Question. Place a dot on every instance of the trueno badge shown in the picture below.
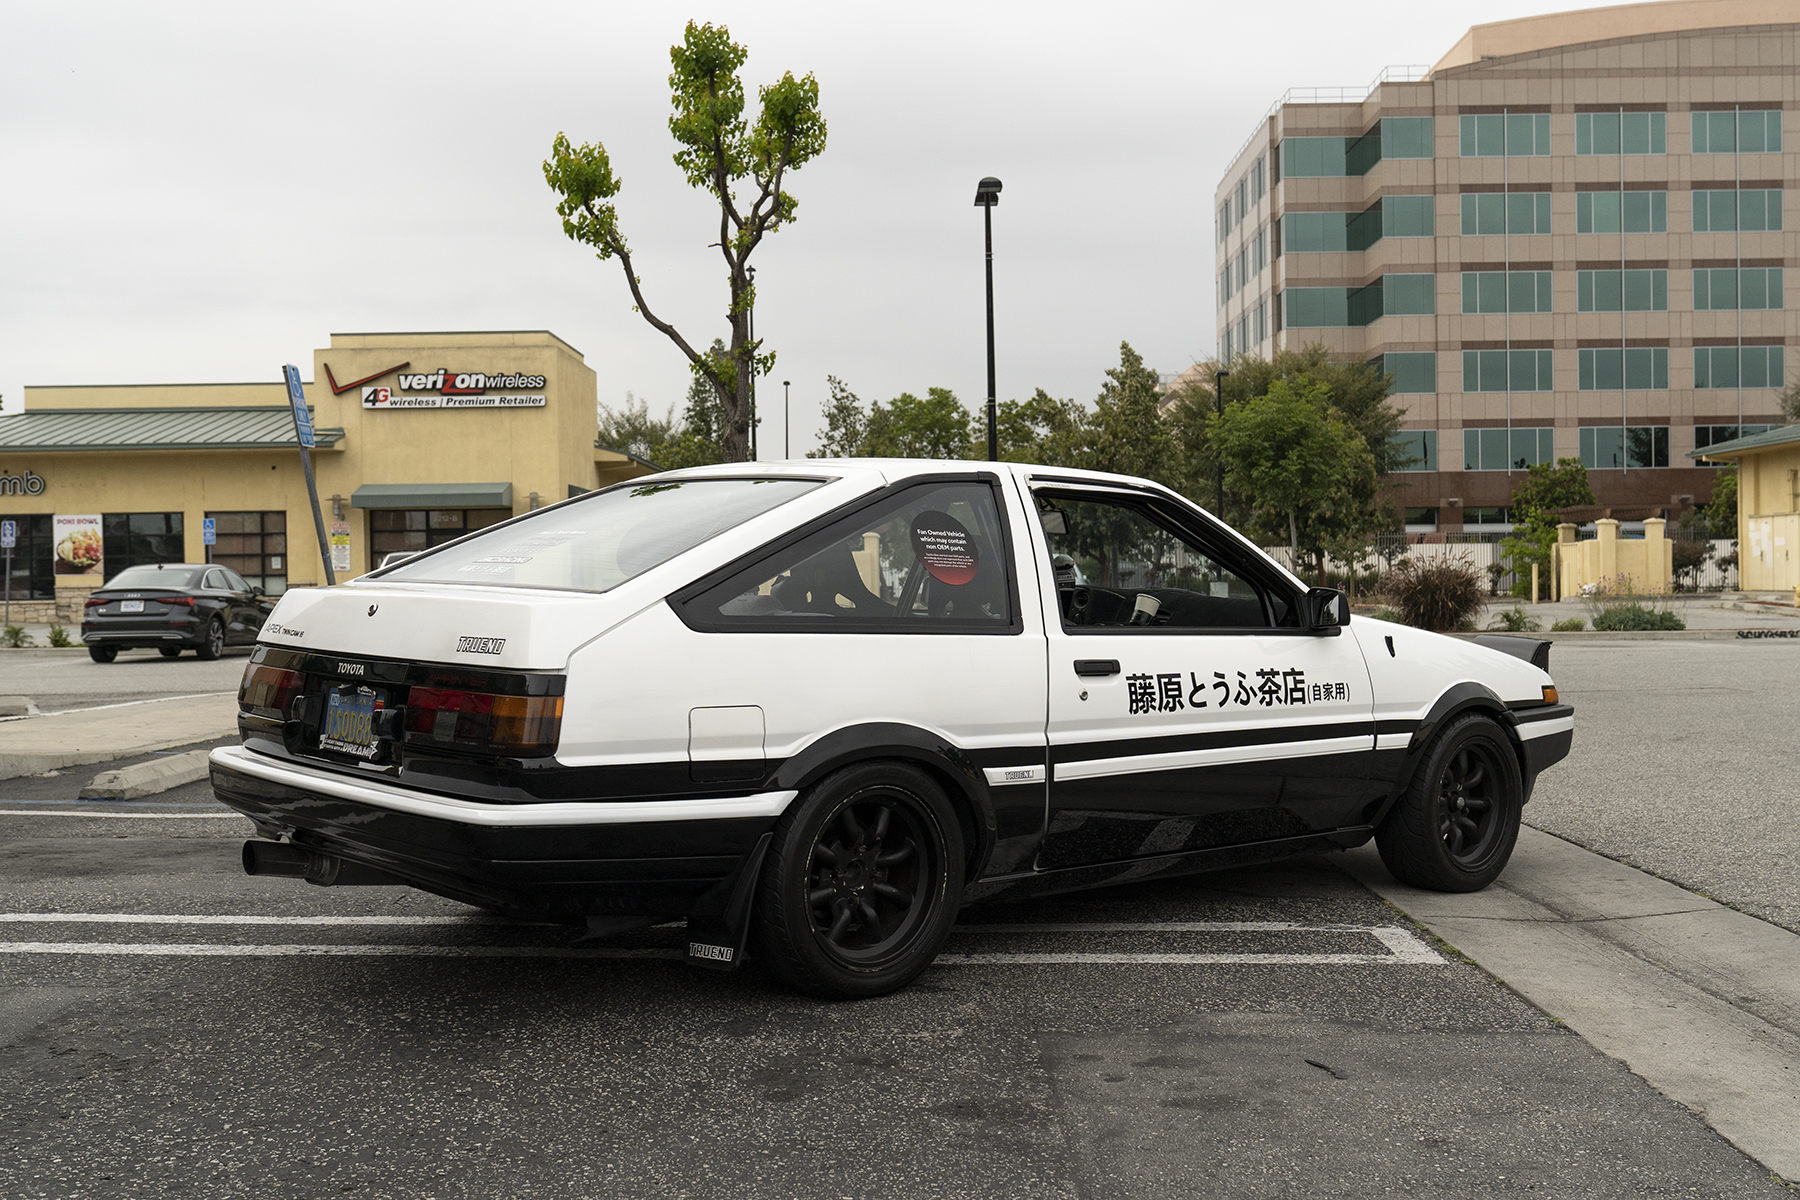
(479, 645)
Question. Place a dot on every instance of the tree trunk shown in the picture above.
(1294, 541)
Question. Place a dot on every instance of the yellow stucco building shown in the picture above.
(1768, 507)
(421, 438)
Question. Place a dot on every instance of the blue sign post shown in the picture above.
(9, 537)
(303, 434)
(209, 532)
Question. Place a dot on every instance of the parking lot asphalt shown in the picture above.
(60, 680)
(381, 1042)
(1683, 765)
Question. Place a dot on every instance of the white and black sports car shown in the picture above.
(815, 707)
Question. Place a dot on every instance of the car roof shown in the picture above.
(894, 470)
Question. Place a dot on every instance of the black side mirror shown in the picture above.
(256, 591)
(1324, 608)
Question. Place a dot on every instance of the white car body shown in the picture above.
(683, 737)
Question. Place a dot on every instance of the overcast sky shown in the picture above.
(200, 192)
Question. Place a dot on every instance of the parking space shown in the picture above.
(60, 680)
(169, 1026)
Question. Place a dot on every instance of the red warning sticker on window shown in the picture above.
(944, 547)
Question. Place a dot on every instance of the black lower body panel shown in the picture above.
(558, 872)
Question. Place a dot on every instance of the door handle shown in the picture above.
(1096, 666)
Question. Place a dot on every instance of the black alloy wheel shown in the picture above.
(1455, 828)
(103, 654)
(214, 645)
(862, 883)
(169, 651)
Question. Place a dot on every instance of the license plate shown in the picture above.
(349, 725)
(126, 606)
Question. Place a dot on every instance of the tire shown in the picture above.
(169, 651)
(214, 645)
(861, 884)
(1455, 827)
(103, 654)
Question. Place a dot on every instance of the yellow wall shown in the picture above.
(1645, 566)
(542, 450)
(1769, 519)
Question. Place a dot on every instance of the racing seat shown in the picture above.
(814, 585)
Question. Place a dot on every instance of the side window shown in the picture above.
(234, 581)
(930, 559)
(1118, 565)
(215, 579)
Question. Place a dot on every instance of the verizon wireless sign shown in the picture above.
(444, 388)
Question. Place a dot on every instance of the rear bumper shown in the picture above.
(1546, 735)
(138, 634)
(554, 860)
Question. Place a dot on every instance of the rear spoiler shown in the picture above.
(1535, 651)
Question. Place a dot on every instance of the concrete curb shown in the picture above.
(148, 778)
(33, 745)
(1700, 1000)
(1642, 635)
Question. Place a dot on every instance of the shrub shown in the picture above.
(59, 636)
(15, 635)
(1440, 595)
(1634, 617)
(1516, 620)
(1572, 625)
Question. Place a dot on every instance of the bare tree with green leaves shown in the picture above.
(719, 150)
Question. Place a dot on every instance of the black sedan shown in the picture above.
(172, 607)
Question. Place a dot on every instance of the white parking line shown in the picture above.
(128, 816)
(1185, 960)
(182, 919)
(227, 950)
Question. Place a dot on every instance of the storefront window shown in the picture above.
(254, 544)
(134, 538)
(414, 529)
(32, 571)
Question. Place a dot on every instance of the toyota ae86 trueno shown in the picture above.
(816, 707)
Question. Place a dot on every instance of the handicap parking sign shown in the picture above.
(9, 534)
(209, 532)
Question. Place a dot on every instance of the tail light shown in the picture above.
(271, 689)
(95, 602)
(184, 601)
(525, 726)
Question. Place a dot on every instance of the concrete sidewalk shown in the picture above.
(1699, 999)
(31, 745)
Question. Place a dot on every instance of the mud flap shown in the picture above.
(720, 923)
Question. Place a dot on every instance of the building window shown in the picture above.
(1713, 435)
(1755, 132)
(1406, 137)
(132, 538)
(1224, 220)
(1610, 447)
(1729, 289)
(1312, 157)
(1243, 333)
(1622, 291)
(1243, 267)
(1507, 449)
(1613, 369)
(1752, 209)
(1620, 133)
(254, 544)
(1738, 366)
(1316, 308)
(1487, 514)
(1259, 251)
(1408, 295)
(33, 565)
(1493, 135)
(1262, 322)
(1506, 291)
(1331, 232)
(1421, 520)
(1415, 450)
(1408, 216)
(1414, 372)
(1494, 213)
(1259, 185)
(1224, 285)
(1225, 345)
(1621, 212)
(412, 530)
(1243, 200)
(1507, 370)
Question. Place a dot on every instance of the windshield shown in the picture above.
(156, 577)
(598, 542)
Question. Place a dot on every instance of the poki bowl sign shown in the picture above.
(79, 547)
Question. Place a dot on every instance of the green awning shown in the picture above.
(432, 495)
(66, 429)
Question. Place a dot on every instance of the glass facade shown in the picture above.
(129, 539)
(1414, 371)
(1621, 133)
(1621, 212)
(1507, 370)
(33, 574)
(1753, 210)
(1748, 132)
(1730, 289)
(1408, 295)
(1614, 369)
(254, 544)
(1406, 137)
(1622, 291)
(1611, 447)
(1713, 435)
(1493, 213)
(1506, 291)
(1738, 366)
(412, 530)
(1415, 450)
(1408, 216)
(1493, 135)
(1507, 449)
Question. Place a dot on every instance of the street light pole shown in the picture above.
(787, 444)
(987, 194)
(1219, 400)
